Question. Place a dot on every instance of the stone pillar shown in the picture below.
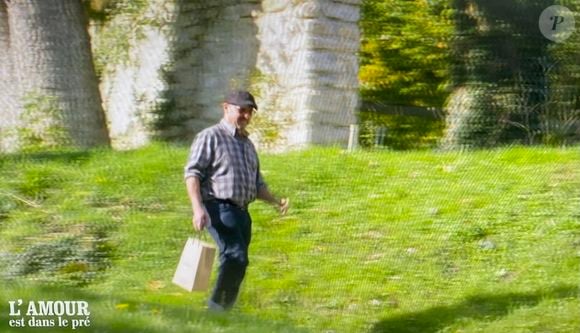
(309, 68)
(298, 57)
(9, 109)
(132, 81)
(184, 58)
(216, 53)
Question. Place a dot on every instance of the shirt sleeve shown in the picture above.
(199, 157)
(260, 180)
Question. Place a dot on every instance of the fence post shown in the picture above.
(353, 138)
(380, 136)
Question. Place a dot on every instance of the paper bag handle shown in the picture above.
(200, 234)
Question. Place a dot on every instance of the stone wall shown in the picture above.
(132, 81)
(8, 99)
(215, 51)
(298, 57)
(310, 49)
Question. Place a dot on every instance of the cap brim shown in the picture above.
(250, 104)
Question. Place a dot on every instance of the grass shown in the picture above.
(381, 241)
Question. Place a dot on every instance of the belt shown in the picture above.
(228, 202)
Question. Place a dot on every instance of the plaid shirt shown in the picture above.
(226, 164)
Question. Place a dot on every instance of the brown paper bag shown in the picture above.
(195, 266)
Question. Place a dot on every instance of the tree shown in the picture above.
(53, 80)
(499, 73)
(405, 52)
(404, 61)
(560, 122)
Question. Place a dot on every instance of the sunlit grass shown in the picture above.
(485, 241)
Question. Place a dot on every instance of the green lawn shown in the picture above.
(381, 241)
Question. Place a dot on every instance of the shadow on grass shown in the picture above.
(116, 313)
(488, 307)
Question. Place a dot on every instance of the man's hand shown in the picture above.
(283, 205)
(200, 218)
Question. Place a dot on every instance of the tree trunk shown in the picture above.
(57, 85)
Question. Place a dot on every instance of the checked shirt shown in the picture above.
(226, 164)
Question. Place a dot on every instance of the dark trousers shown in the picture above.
(231, 228)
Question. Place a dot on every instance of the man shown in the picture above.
(223, 177)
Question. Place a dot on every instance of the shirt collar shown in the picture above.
(232, 130)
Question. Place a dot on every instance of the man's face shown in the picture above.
(237, 115)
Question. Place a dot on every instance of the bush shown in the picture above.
(401, 132)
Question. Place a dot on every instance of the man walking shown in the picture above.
(223, 177)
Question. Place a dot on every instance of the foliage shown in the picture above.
(401, 132)
(42, 124)
(272, 117)
(376, 241)
(118, 23)
(474, 118)
(560, 119)
(560, 124)
(405, 52)
(405, 55)
(517, 87)
(163, 111)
